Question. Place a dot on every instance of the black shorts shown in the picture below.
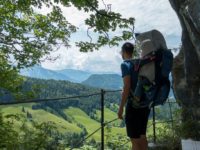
(136, 121)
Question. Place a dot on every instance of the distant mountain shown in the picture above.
(39, 72)
(76, 75)
(106, 81)
(42, 73)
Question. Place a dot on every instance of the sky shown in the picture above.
(149, 14)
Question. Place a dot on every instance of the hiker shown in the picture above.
(146, 83)
(135, 118)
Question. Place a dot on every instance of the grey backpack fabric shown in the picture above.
(159, 92)
(155, 65)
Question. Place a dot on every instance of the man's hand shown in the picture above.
(120, 112)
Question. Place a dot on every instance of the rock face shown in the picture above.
(186, 70)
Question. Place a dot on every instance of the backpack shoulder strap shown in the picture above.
(148, 59)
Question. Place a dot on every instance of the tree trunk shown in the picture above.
(186, 69)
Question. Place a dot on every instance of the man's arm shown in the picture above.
(125, 94)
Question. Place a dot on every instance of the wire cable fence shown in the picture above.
(88, 136)
(47, 99)
(102, 122)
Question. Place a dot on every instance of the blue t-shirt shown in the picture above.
(127, 68)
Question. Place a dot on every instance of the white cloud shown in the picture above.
(104, 60)
(75, 16)
(149, 14)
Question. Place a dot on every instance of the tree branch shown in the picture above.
(104, 14)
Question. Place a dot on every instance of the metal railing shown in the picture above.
(102, 122)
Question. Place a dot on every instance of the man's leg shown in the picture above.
(144, 121)
(139, 143)
(143, 142)
(135, 143)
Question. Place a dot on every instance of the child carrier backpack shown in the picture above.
(157, 92)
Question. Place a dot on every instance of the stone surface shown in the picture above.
(190, 145)
(186, 69)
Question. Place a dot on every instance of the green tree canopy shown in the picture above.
(27, 36)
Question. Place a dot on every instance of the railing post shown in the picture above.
(171, 115)
(102, 119)
(154, 126)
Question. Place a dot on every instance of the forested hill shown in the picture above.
(55, 89)
(107, 81)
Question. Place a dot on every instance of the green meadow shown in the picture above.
(77, 116)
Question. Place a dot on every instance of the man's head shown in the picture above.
(127, 50)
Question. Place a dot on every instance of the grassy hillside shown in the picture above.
(91, 125)
(41, 116)
(78, 117)
(109, 115)
(82, 118)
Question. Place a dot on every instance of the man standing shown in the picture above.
(135, 118)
